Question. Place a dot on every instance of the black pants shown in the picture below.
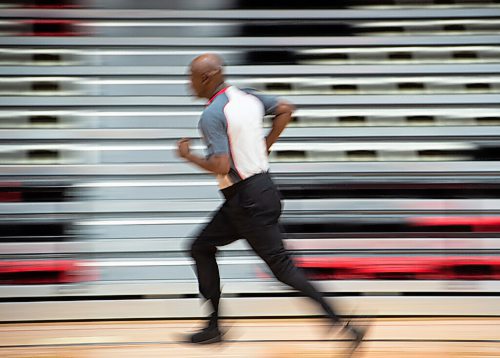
(251, 211)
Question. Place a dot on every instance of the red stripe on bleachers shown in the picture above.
(25, 272)
(11, 196)
(455, 221)
(407, 268)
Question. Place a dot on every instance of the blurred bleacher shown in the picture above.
(390, 170)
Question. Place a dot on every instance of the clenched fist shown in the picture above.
(183, 148)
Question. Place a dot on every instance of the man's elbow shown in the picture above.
(285, 107)
(224, 169)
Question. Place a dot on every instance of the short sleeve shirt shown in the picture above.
(232, 124)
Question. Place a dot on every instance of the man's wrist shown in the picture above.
(185, 156)
(189, 157)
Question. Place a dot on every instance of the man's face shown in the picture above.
(196, 84)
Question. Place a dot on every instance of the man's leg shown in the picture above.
(203, 250)
(268, 244)
(255, 216)
(256, 219)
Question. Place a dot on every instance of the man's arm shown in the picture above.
(217, 163)
(283, 115)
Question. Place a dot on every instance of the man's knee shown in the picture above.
(281, 265)
(201, 247)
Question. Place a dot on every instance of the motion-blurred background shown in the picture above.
(390, 170)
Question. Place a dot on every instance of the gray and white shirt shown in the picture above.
(232, 124)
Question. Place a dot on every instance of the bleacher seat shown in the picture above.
(389, 170)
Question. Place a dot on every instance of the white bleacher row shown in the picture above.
(162, 245)
(332, 117)
(460, 100)
(196, 211)
(104, 153)
(131, 56)
(304, 117)
(349, 170)
(276, 42)
(260, 71)
(176, 86)
(398, 55)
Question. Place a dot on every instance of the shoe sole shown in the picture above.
(209, 341)
(185, 339)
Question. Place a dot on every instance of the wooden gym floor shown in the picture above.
(269, 338)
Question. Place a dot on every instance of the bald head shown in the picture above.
(206, 63)
(206, 74)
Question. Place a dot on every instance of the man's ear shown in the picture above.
(205, 78)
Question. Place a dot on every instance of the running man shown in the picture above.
(237, 153)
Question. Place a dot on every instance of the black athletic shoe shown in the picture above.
(357, 334)
(207, 335)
